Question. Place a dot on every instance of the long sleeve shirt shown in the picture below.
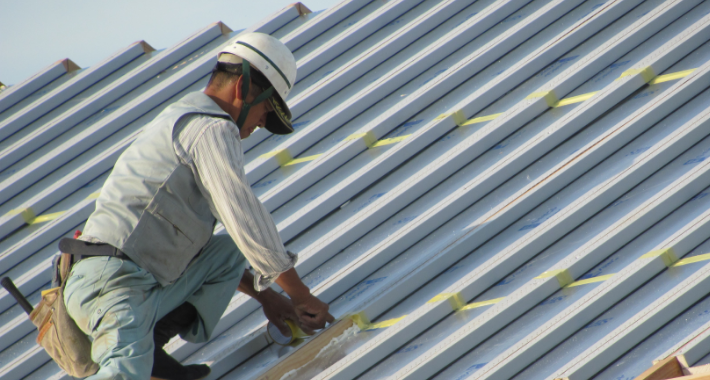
(211, 147)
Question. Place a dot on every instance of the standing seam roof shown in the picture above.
(500, 188)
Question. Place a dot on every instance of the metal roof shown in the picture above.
(502, 188)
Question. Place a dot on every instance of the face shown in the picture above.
(257, 113)
(255, 118)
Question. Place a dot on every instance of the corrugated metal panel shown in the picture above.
(539, 165)
(71, 188)
(37, 85)
(68, 90)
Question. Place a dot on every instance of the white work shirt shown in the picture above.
(211, 147)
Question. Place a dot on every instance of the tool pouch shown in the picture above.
(58, 333)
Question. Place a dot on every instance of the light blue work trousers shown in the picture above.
(117, 303)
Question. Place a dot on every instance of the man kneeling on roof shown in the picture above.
(159, 207)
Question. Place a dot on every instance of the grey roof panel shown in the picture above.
(79, 83)
(428, 146)
(637, 360)
(38, 84)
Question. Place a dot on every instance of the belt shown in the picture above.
(81, 249)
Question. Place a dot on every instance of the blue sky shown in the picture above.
(36, 33)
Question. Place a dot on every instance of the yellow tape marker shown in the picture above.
(575, 99)
(694, 259)
(27, 214)
(387, 323)
(94, 195)
(389, 141)
(671, 76)
(442, 116)
(361, 320)
(457, 116)
(646, 73)
(481, 119)
(367, 137)
(47, 217)
(283, 157)
(667, 255)
(563, 276)
(474, 305)
(550, 97)
(590, 280)
(302, 159)
(454, 299)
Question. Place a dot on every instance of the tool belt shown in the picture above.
(73, 250)
(58, 333)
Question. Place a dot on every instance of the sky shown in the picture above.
(36, 33)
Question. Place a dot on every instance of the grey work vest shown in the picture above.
(150, 206)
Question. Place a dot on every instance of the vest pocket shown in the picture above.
(161, 247)
(177, 229)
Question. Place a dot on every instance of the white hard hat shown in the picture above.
(276, 62)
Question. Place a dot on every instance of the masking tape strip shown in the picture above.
(302, 159)
(457, 116)
(440, 297)
(475, 305)
(283, 157)
(550, 97)
(667, 255)
(590, 280)
(442, 116)
(646, 73)
(481, 119)
(563, 276)
(575, 99)
(27, 214)
(367, 137)
(389, 141)
(690, 260)
(454, 299)
(361, 320)
(671, 76)
(384, 324)
(47, 217)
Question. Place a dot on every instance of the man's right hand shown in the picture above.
(312, 312)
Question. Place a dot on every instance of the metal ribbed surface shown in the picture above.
(505, 188)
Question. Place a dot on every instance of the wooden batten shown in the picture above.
(675, 368)
(308, 351)
(667, 368)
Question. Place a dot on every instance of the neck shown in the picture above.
(224, 102)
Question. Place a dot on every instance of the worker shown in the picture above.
(168, 273)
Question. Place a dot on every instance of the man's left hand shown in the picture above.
(277, 309)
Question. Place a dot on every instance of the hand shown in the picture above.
(277, 309)
(312, 313)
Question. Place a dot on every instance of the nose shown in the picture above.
(262, 120)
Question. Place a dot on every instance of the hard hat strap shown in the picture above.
(246, 79)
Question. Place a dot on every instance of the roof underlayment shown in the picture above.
(503, 188)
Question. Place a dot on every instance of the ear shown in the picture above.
(238, 88)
